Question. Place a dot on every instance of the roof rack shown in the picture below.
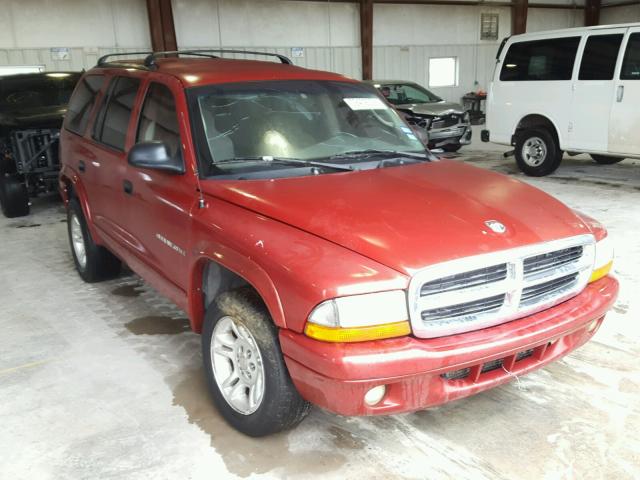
(150, 60)
(102, 61)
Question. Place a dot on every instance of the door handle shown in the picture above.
(620, 93)
(81, 166)
(127, 186)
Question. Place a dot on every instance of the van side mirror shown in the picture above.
(154, 155)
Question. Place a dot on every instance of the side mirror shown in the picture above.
(154, 155)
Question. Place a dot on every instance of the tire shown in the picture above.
(537, 152)
(14, 198)
(451, 147)
(606, 159)
(277, 404)
(97, 263)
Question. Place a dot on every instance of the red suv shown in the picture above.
(323, 253)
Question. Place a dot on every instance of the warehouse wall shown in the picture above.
(624, 14)
(539, 19)
(327, 32)
(89, 28)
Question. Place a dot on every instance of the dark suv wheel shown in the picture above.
(245, 369)
(537, 152)
(606, 159)
(93, 262)
(14, 198)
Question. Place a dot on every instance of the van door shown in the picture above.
(624, 131)
(594, 90)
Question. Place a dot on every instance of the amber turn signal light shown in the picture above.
(357, 334)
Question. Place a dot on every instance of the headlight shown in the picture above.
(359, 318)
(466, 118)
(604, 259)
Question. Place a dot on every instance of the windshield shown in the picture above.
(404, 93)
(305, 120)
(33, 91)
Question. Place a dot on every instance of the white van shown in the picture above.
(575, 90)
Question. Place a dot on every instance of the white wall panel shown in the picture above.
(623, 14)
(539, 19)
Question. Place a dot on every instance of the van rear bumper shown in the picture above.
(421, 373)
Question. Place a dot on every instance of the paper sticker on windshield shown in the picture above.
(370, 103)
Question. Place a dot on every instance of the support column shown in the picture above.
(592, 13)
(161, 26)
(519, 16)
(366, 38)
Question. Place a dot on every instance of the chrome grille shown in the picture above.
(485, 290)
(465, 280)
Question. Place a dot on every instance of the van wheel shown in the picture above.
(606, 159)
(93, 262)
(537, 152)
(245, 369)
(14, 198)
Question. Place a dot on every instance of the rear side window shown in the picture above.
(631, 63)
(540, 60)
(599, 57)
(113, 122)
(82, 102)
(159, 119)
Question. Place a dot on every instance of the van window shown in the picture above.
(115, 114)
(599, 57)
(159, 120)
(81, 103)
(631, 63)
(540, 60)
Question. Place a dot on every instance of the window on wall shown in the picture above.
(489, 26)
(443, 72)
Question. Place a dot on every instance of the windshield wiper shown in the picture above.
(374, 152)
(286, 160)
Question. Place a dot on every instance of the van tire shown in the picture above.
(537, 152)
(606, 159)
(281, 407)
(14, 197)
(98, 263)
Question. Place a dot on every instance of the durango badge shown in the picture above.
(496, 226)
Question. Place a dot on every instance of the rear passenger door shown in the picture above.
(624, 131)
(159, 203)
(593, 91)
(109, 161)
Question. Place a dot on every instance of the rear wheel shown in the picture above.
(14, 198)
(606, 159)
(93, 262)
(245, 369)
(537, 152)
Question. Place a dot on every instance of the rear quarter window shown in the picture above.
(82, 102)
(540, 60)
(631, 62)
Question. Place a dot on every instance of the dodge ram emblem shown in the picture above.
(496, 226)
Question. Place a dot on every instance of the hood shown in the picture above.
(40, 117)
(409, 217)
(437, 108)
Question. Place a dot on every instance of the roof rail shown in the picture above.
(150, 60)
(102, 61)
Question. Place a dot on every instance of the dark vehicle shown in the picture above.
(32, 107)
(447, 124)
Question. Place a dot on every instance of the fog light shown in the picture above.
(374, 395)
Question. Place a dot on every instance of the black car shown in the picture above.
(32, 107)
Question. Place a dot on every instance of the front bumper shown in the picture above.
(458, 134)
(337, 376)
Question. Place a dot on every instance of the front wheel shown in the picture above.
(606, 159)
(537, 152)
(245, 369)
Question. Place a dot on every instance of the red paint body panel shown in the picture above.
(336, 376)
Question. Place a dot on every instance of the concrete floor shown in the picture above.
(104, 381)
